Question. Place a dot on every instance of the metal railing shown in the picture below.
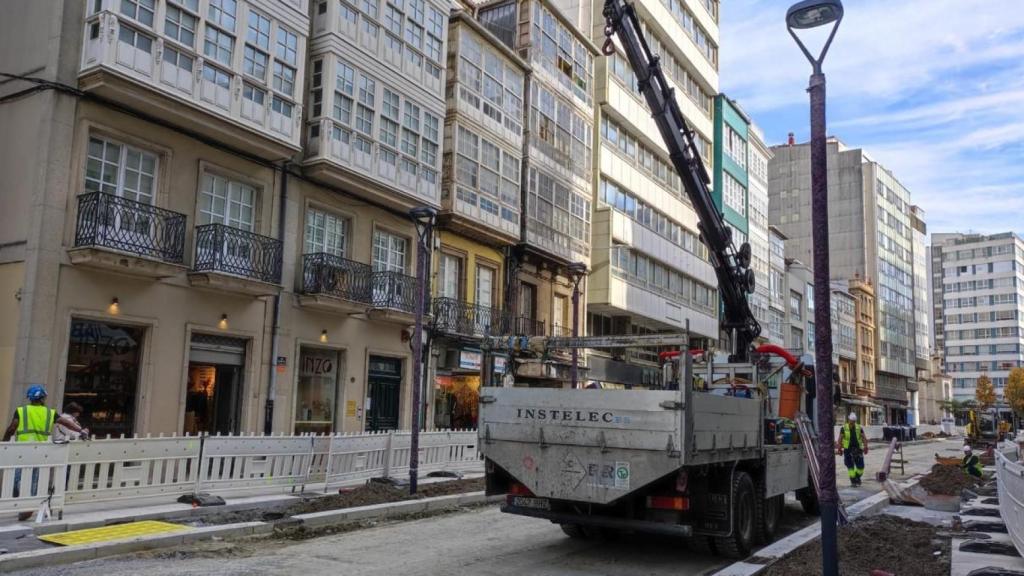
(109, 221)
(221, 248)
(524, 326)
(335, 276)
(560, 331)
(132, 471)
(453, 316)
(394, 291)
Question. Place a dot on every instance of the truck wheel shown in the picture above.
(772, 515)
(808, 500)
(574, 531)
(743, 521)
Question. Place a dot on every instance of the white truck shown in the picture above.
(689, 459)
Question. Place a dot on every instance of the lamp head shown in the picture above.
(814, 13)
(423, 215)
(578, 269)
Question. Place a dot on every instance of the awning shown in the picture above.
(859, 402)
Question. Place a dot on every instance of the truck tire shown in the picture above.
(771, 516)
(744, 504)
(808, 500)
(574, 531)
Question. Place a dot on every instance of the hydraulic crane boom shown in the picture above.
(732, 267)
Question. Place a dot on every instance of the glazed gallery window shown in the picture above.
(389, 252)
(121, 170)
(317, 391)
(103, 374)
(449, 276)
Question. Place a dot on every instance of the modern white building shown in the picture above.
(757, 214)
(978, 293)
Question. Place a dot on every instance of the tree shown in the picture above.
(1015, 391)
(985, 393)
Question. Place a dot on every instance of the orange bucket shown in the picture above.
(789, 400)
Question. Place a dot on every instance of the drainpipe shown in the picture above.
(268, 411)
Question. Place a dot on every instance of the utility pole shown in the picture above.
(424, 217)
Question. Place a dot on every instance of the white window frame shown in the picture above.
(236, 194)
(121, 169)
(390, 252)
(326, 232)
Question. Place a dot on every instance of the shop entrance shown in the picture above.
(213, 400)
(103, 375)
(384, 385)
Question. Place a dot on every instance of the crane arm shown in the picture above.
(732, 266)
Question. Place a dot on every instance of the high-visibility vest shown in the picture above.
(971, 462)
(35, 423)
(845, 433)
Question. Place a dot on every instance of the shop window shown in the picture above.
(317, 392)
(103, 375)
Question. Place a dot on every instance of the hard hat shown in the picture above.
(967, 448)
(851, 417)
(35, 392)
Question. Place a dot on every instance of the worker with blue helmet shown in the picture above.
(33, 422)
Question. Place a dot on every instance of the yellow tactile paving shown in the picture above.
(109, 533)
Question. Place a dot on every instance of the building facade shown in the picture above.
(220, 242)
(778, 291)
(865, 309)
(922, 312)
(731, 181)
(757, 216)
(978, 292)
(870, 237)
(480, 216)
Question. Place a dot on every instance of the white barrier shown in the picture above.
(136, 469)
(358, 457)
(128, 468)
(1010, 484)
(23, 464)
(247, 462)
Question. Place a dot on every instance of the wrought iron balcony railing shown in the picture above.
(523, 326)
(221, 248)
(109, 221)
(335, 276)
(452, 316)
(559, 331)
(395, 291)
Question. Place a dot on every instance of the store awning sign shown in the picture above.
(470, 359)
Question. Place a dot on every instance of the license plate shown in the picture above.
(535, 503)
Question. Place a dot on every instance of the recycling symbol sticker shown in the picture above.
(622, 475)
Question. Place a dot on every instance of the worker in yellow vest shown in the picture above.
(853, 446)
(33, 422)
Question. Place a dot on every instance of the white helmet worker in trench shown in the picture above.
(853, 446)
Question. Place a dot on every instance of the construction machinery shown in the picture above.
(710, 452)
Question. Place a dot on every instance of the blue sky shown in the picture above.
(932, 89)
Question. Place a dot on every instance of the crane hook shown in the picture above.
(608, 48)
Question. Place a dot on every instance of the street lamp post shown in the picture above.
(577, 270)
(424, 218)
(801, 16)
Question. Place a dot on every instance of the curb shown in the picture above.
(778, 550)
(69, 554)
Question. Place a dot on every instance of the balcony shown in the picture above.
(392, 297)
(236, 260)
(138, 63)
(523, 326)
(335, 284)
(457, 318)
(121, 235)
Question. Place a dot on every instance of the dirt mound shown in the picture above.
(895, 545)
(948, 480)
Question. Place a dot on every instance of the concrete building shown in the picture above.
(844, 348)
(922, 313)
(871, 237)
(800, 308)
(480, 215)
(557, 168)
(182, 263)
(760, 245)
(778, 293)
(650, 271)
(978, 293)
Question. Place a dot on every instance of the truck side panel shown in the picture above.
(785, 470)
(723, 422)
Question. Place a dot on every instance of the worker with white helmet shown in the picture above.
(971, 464)
(853, 446)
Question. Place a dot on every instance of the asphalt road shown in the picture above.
(477, 542)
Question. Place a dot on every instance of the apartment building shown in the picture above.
(776, 330)
(800, 308)
(978, 289)
(557, 170)
(731, 166)
(758, 154)
(866, 408)
(480, 215)
(922, 311)
(649, 270)
(870, 237)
